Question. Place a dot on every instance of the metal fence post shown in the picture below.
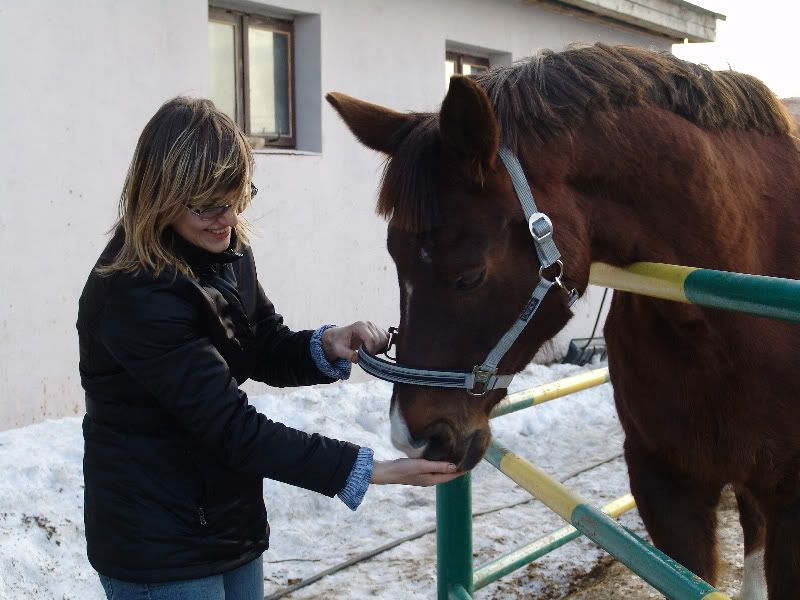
(454, 536)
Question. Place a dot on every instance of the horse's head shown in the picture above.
(465, 259)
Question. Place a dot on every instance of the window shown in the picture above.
(462, 64)
(251, 74)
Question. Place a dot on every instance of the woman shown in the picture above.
(171, 321)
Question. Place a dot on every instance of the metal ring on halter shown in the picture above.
(557, 278)
(393, 331)
(571, 293)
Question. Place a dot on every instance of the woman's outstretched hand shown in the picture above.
(344, 342)
(413, 471)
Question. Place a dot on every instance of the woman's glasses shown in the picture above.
(212, 212)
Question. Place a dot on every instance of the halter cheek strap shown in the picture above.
(539, 224)
(484, 377)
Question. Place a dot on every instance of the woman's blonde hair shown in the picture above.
(188, 154)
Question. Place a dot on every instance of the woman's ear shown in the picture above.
(375, 126)
(468, 126)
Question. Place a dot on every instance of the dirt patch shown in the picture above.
(43, 523)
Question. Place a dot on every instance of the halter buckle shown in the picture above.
(481, 377)
(541, 227)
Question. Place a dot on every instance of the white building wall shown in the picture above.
(80, 80)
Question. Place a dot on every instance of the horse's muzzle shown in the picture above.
(465, 451)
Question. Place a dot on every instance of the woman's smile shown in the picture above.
(220, 234)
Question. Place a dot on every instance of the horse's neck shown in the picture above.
(678, 195)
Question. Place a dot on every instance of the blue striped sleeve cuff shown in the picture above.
(358, 481)
(339, 369)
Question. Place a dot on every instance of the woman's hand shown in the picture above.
(343, 342)
(413, 471)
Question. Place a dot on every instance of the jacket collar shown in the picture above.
(199, 258)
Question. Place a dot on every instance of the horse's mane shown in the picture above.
(548, 95)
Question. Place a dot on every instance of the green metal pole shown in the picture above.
(757, 295)
(454, 537)
(459, 593)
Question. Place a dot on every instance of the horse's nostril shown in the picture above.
(438, 448)
(476, 447)
(441, 446)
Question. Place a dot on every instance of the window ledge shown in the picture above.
(286, 151)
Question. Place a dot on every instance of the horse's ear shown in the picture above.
(375, 126)
(468, 125)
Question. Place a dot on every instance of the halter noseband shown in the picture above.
(484, 377)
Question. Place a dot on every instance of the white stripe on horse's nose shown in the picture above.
(401, 438)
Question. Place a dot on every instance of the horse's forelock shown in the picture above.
(408, 188)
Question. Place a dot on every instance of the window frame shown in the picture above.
(241, 22)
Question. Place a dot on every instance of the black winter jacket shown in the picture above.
(174, 454)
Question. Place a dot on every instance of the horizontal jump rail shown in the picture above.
(502, 566)
(652, 565)
(771, 297)
(549, 391)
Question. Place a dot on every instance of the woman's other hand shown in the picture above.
(344, 342)
(413, 471)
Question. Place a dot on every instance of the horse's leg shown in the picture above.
(782, 548)
(680, 514)
(754, 586)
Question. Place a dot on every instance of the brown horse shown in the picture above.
(634, 156)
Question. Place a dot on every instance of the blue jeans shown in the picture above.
(244, 583)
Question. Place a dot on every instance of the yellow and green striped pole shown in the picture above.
(549, 391)
(759, 295)
(660, 571)
(500, 567)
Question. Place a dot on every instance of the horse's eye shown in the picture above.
(470, 282)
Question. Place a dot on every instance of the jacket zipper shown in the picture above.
(201, 511)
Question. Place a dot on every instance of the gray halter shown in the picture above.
(484, 378)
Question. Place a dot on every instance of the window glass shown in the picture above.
(449, 71)
(222, 66)
(268, 55)
(472, 69)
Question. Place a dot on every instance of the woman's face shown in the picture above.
(212, 234)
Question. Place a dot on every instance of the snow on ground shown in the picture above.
(42, 548)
